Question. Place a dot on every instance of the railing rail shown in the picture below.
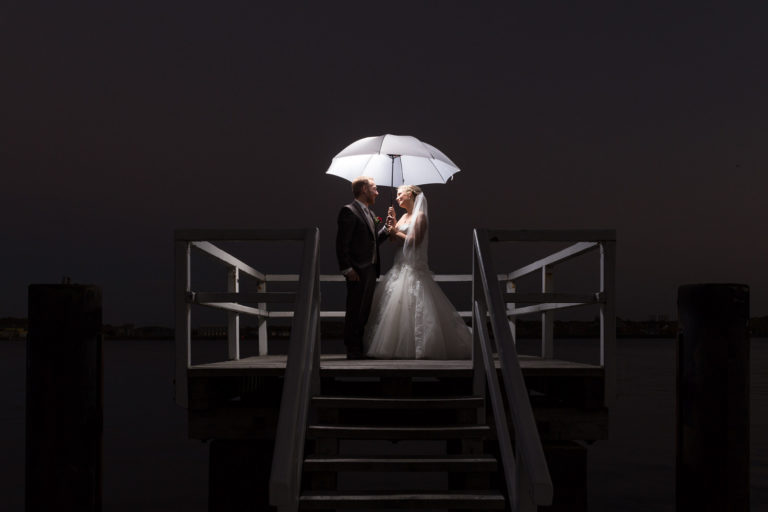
(548, 301)
(526, 472)
(232, 301)
(301, 381)
(529, 484)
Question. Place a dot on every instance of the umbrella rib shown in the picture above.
(432, 161)
(366, 163)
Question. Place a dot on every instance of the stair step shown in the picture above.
(456, 463)
(409, 501)
(421, 433)
(464, 402)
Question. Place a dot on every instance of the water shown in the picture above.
(150, 465)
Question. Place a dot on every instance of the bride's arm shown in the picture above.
(397, 236)
(416, 233)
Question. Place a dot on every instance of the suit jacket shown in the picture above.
(355, 242)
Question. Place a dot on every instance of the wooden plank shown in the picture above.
(231, 306)
(337, 365)
(400, 433)
(332, 314)
(513, 462)
(338, 278)
(233, 318)
(323, 314)
(464, 463)
(558, 257)
(344, 402)
(453, 278)
(539, 308)
(220, 254)
(552, 297)
(527, 442)
(248, 298)
(474, 500)
(548, 317)
(263, 338)
(301, 380)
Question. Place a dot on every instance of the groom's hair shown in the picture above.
(359, 183)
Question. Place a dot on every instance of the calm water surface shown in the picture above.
(150, 465)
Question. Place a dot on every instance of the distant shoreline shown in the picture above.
(16, 329)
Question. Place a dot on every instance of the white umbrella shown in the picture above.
(393, 160)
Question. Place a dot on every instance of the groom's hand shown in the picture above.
(352, 275)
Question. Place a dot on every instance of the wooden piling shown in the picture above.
(64, 398)
(712, 471)
(239, 473)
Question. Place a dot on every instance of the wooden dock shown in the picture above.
(286, 432)
(237, 403)
(557, 389)
(337, 365)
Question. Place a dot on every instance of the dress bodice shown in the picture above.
(415, 257)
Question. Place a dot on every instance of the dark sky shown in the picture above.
(123, 120)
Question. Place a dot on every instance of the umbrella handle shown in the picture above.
(392, 183)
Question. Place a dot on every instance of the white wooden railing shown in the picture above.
(542, 303)
(232, 301)
(300, 383)
(547, 301)
(526, 474)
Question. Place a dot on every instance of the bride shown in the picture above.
(411, 318)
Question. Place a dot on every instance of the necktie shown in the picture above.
(369, 217)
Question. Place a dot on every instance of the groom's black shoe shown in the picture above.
(355, 355)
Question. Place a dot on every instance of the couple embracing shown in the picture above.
(407, 316)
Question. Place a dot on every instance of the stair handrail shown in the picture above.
(525, 470)
(301, 381)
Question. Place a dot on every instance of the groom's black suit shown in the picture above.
(356, 245)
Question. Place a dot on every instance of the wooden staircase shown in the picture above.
(387, 443)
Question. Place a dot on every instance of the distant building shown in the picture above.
(13, 333)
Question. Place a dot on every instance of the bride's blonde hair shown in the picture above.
(413, 189)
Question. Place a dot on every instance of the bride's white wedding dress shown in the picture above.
(411, 318)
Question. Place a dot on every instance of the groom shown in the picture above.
(357, 249)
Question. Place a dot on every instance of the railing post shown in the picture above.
(547, 317)
(233, 319)
(183, 320)
(263, 346)
(478, 368)
(511, 288)
(608, 318)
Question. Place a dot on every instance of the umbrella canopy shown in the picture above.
(393, 160)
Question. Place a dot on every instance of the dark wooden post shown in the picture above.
(64, 398)
(712, 437)
(239, 471)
